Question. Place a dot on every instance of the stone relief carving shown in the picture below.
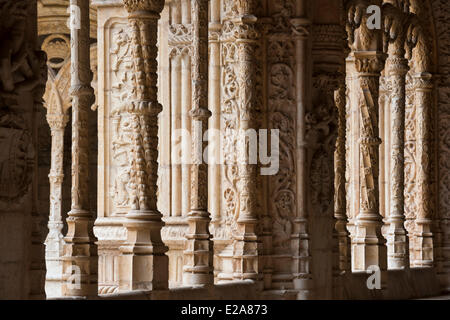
(229, 119)
(22, 70)
(281, 108)
(122, 90)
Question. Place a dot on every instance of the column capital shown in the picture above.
(57, 121)
(398, 66)
(423, 81)
(370, 62)
(153, 6)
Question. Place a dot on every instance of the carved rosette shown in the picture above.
(80, 251)
(198, 264)
(144, 248)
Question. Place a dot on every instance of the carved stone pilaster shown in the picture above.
(80, 251)
(245, 252)
(144, 264)
(424, 237)
(198, 264)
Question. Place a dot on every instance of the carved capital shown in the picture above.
(370, 62)
(246, 8)
(153, 6)
(57, 121)
(423, 81)
(397, 66)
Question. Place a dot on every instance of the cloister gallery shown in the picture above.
(100, 99)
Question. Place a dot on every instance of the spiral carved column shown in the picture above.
(144, 264)
(341, 234)
(369, 244)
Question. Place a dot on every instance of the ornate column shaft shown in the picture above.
(54, 242)
(245, 251)
(176, 195)
(396, 68)
(198, 264)
(144, 264)
(214, 123)
(424, 236)
(369, 249)
(301, 238)
(397, 240)
(80, 251)
(342, 236)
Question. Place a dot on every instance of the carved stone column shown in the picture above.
(80, 251)
(369, 247)
(396, 68)
(369, 243)
(198, 264)
(301, 239)
(54, 242)
(214, 176)
(424, 236)
(397, 240)
(340, 207)
(144, 264)
(245, 251)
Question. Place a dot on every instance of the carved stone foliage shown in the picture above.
(410, 157)
(441, 12)
(122, 90)
(229, 118)
(281, 115)
(321, 133)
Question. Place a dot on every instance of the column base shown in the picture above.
(143, 272)
(397, 246)
(424, 254)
